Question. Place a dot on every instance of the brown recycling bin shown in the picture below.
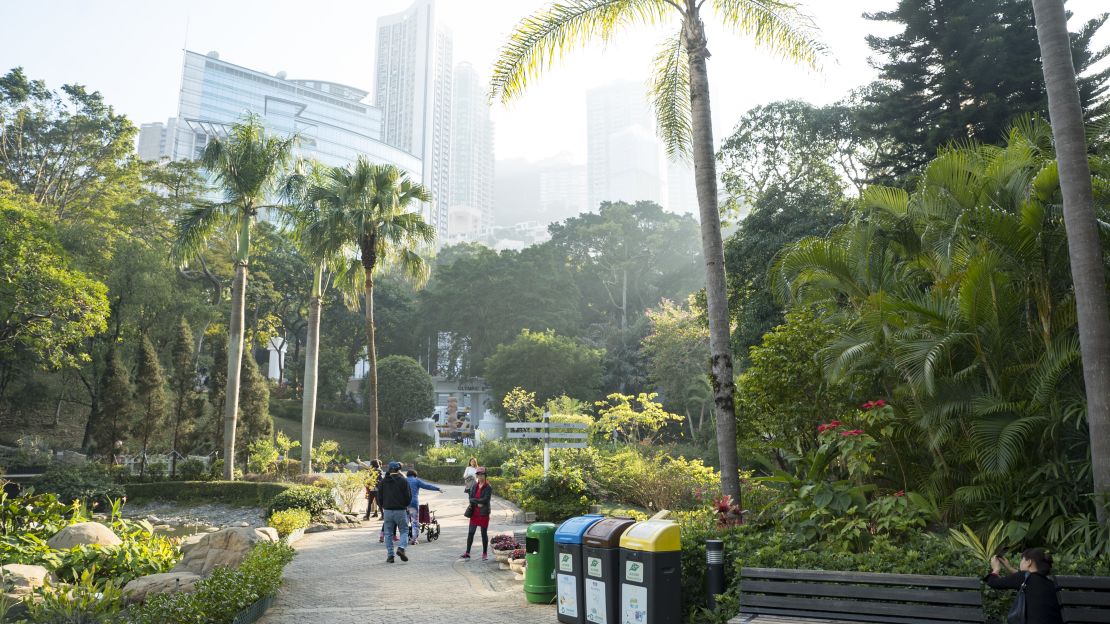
(601, 557)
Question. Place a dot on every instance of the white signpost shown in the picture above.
(553, 434)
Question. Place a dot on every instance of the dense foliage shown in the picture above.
(308, 497)
(547, 364)
(405, 394)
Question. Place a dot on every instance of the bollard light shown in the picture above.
(714, 570)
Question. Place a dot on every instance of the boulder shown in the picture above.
(83, 533)
(226, 547)
(143, 587)
(333, 516)
(20, 580)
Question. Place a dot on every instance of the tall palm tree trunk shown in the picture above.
(705, 179)
(1084, 248)
(235, 350)
(311, 364)
(368, 262)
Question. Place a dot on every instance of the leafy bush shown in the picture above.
(262, 456)
(223, 594)
(558, 496)
(655, 482)
(240, 493)
(86, 601)
(350, 487)
(90, 483)
(192, 469)
(450, 474)
(289, 520)
(309, 498)
(33, 512)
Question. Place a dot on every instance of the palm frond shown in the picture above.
(670, 93)
(196, 226)
(544, 37)
(777, 26)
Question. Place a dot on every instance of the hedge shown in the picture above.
(241, 493)
(448, 474)
(291, 410)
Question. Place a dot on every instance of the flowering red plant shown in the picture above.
(728, 513)
(873, 404)
(832, 424)
(900, 493)
(852, 432)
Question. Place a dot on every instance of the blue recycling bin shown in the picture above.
(570, 580)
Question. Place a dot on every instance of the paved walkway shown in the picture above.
(341, 577)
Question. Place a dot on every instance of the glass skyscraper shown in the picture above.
(334, 125)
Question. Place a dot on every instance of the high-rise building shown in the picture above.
(682, 195)
(412, 87)
(625, 160)
(472, 161)
(562, 189)
(156, 140)
(333, 123)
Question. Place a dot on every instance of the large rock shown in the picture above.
(333, 516)
(82, 533)
(226, 547)
(20, 580)
(143, 587)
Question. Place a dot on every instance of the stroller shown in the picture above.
(426, 523)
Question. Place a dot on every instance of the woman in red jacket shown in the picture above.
(479, 512)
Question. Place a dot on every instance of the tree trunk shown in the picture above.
(371, 350)
(705, 179)
(311, 361)
(235, 350)
(1084, 248)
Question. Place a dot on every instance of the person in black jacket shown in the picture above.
(394, 496)
(479, 512)
(1041, 605)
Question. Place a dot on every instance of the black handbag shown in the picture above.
(470, 512)
(1017, 612)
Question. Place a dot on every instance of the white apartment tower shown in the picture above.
(625, 160)
(471, 207)
(413, 90)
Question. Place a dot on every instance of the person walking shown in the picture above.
(468, 474)
(1037, 592)
(372, 490)
(479, 512)
(415, 485)
(394, 495)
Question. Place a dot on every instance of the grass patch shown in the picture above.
(351, 443)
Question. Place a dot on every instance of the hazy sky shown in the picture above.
(131, 51)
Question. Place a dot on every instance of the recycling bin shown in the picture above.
(568, 570)
(601, 553)
(539, 575)
(650, 569)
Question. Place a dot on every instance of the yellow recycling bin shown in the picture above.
(651, 573)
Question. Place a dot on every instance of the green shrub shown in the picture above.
(223, 594)
(336, 419)
(449, 474)
(309, 498)
(239, 493)
(288, 520)
(192, 469)
(558, 496)
(91, 483)
(86, 601)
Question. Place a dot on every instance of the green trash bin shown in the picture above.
(539, 575)
(602, 556)
(651, 573)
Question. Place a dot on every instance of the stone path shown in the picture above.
(341, 577)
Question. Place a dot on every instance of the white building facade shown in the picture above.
(625, 160)
(412, 88)
(470, 213)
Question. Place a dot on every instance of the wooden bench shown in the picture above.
(1085, 599)
(772, 595)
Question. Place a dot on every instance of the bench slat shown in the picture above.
(868, 578)
(1086, 599)
(802, 615)
(1084, 582)
(1085, 616)
(940, 596)
(854, 608)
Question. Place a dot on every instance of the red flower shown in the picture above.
(852, 432)
(868, 405)
(835, 423)
(900, 493)
(880, 403)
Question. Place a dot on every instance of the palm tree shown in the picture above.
(680, 91)
(365, 213)
(247, 164)
(1084, 248)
